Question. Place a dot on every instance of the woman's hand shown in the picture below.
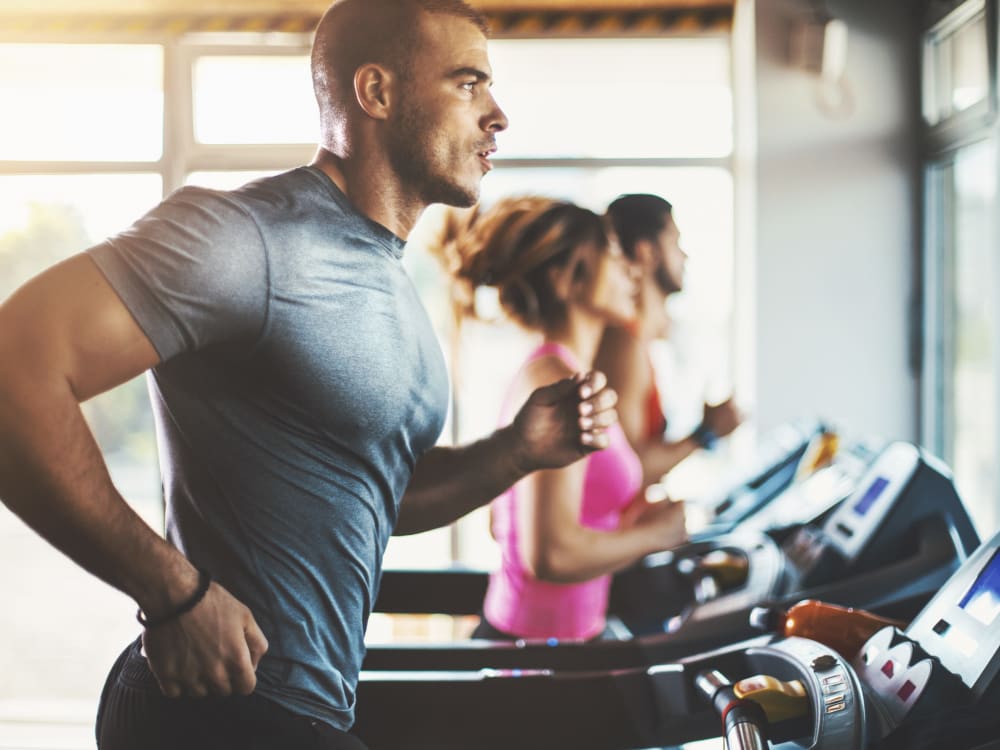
(662, 520)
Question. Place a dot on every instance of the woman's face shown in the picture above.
(615, 290)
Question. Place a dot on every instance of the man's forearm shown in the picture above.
(659, 457)
(53, 476)
(450, 482)
(559, 424)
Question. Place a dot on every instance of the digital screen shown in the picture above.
(871, 494)
(982, 600)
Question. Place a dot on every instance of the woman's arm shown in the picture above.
(555, 546)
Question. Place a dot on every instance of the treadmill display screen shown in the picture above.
(871, 495)
(982, 600)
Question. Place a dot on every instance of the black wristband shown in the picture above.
(704, 436)
(204, 581)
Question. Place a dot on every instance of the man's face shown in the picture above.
(444, 130)
(674, 258)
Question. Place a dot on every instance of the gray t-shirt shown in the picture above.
(300, 382)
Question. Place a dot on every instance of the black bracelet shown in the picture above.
(204, 581)
(705, 437)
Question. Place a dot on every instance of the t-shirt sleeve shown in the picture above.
(193, 272)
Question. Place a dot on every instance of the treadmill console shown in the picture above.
(813, 497)
(854, 522)
(875, 523)
(948, 656)
(961, 624)
(903, 523)
(773, 469)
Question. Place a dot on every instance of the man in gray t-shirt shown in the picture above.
(298, 391)
(300, 383)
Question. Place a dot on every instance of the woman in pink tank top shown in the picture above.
(562, 532)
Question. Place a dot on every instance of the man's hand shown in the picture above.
(562, 422)
(722, 418)
(212, 650)
(558, 424)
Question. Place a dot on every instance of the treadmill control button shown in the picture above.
(823, 663)
(780, 700)
(835, 703)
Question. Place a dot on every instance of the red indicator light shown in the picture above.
(887, 669)
(906, 691)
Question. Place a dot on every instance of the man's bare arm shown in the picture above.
(559, 424)
(65, 336)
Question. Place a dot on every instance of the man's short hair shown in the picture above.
(354, 32)
(638, 216)
(642, 216)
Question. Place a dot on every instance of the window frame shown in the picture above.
(942, 144)
(964, 126)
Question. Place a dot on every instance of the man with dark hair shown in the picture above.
(649, 236)
(298, 390)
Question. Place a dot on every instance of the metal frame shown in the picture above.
(958, 127)
(942, 143)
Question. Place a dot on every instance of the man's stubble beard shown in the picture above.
(414, 161)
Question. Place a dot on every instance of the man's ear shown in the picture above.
(645, 252)
(373, 86)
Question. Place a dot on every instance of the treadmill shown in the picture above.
(787, 455)
(642, 595)
(792, 693)
(888, 547)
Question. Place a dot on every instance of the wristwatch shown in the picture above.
(704, 436)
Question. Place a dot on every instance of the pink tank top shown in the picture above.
(519, 604)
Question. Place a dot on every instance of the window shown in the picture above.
(608, 98)
(224, 113)
(956, 63)
(961, 372)
(963, 268)
(81, 102)
(97, 112)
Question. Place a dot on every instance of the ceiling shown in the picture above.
(26, 8)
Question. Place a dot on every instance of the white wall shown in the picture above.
(837, 229)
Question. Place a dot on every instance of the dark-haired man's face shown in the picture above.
(674, 257)
(446, 119)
